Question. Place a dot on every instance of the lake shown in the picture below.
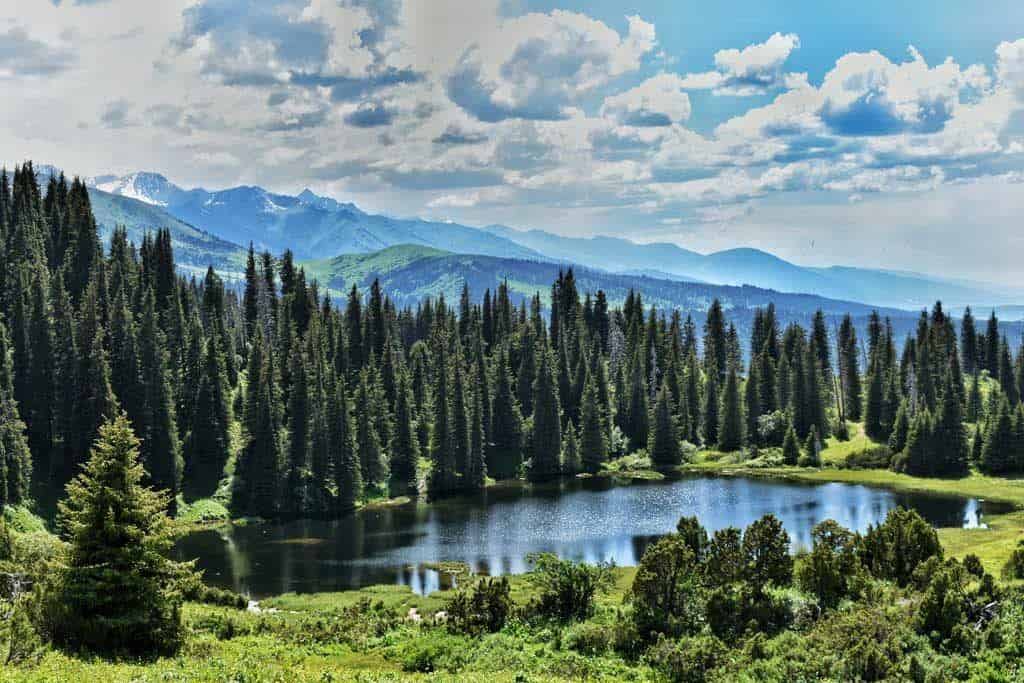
(495, 531)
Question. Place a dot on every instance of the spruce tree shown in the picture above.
(997, 451)
(663, 444)
(504, 457)
(571, 462)
(900, 428)
(348, 478)
(812, 449)
(443, 475)
(710, 418)
(161, 451)
(15, 456)
(547, 432)
(405, 447)
(790, 447)
(371, 456)
(474, 474)
(730, 430)
(593, 440)
(299, 418)
(208, 442)
(117, 591)
(949, 439)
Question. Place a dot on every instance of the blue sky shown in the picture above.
(887, 134)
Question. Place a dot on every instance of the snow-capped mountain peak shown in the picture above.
(151, 188)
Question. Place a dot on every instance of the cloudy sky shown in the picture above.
(870, 133)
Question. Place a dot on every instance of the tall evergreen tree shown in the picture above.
(547, 434)
(663, 444)
(730, 430)
(504, 456)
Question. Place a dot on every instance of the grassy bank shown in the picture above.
(345, 636)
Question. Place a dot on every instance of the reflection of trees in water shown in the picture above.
(590, 520)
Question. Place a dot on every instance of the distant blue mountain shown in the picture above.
(760, 269)
(310, 225)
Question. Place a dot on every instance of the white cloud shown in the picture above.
(750, 71)
(658, 101)
(538, 65)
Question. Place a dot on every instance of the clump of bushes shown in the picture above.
(1014, 567)
(566, 589)
(482, 608)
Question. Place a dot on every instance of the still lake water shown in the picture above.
(494, 532)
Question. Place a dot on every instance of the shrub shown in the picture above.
(893, 549)
(766, 554)
(666, 592)
(566, 588)
(688, 660)
(589, 638)
(829, 570)
(1014, 567)
(772, 428)
(434, 651)
(482, 609)
(870, 458)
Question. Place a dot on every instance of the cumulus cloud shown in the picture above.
(24, 55)
(537, 66)
(866, 94)
(658, 101)
(753, 70)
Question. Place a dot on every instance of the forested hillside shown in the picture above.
(285, 403)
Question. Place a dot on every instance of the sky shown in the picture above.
(865, 133)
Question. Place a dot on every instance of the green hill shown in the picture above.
(194, 248)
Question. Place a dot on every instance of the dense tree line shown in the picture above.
(287, 403)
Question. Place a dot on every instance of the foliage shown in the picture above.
(482, 608)
(566, 589)
(117, 591)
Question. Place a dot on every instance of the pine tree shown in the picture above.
(348, 478)
(730, 430)
(371, 456)
(299, 418)
(15, 456)
(715, 352)
(790, 447)
(969, 342)
(504, 457)
(991, 358)
(812, 449)
(873, 403)
(208, 442)
(161, 452)
(900, 428)
(442, 439)
(663, 444)
(571, 462)
(405, 447)
(711, 419)
(917, 458)
(752, 398)
(117, 591)
(849, 372)
(949, 439)
(997, 451)
(547, 434)
(593, 441)
(257, 473)
(474, 474)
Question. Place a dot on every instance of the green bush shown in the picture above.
(1014, 567)
(435, 650)
(870, 458)
(483, 608)
(589, 638)
(566, 589)
(688, 660)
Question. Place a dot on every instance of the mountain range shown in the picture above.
(217, 226)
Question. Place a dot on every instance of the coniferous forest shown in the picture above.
(130, 391)
(292, 404)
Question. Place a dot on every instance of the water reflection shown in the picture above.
(494, 532)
